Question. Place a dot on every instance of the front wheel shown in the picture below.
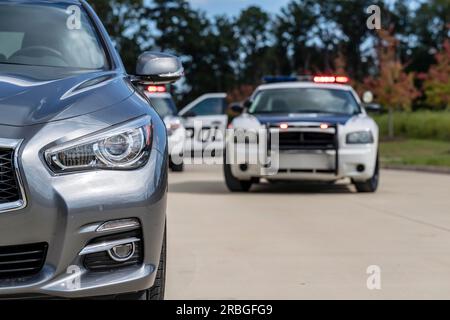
(158, 290)
(371, 185)
(233, 183)
(177, 167)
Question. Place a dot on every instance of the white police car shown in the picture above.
(205, 120)
(316, 129)
(164, 105)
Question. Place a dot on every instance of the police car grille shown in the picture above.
(9, 189)
(292, 140)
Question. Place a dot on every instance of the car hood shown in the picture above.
(313, 117)
(35, 95)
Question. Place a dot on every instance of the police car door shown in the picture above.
(205, 120)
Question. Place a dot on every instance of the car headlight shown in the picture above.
(124, 147)
(360, 137)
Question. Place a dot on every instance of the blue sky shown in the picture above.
(233, 7)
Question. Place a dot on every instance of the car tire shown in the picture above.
(233, 183)
(371, 185)
(156, 292)
(177, 167)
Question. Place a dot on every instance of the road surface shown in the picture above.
(308, 242)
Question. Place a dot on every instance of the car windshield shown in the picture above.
(305, 100)
(164, 106)
(50, 35)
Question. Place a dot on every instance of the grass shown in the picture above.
(425, 125)
(416, 152)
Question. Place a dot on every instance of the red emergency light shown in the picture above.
(156, 89)
(331, 79)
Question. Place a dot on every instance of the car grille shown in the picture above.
(294, 140)
(22, 260)
(9, 188)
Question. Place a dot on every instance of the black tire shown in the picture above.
(177, 167)
(371, 185)
(234, 184)
(158, 290)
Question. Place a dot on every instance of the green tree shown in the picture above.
(292, 27)
(437, 81)
(253, 25)
(429, 27)
(122, 20)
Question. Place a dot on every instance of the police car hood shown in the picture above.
(273, 119)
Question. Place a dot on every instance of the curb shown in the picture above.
(426, 169)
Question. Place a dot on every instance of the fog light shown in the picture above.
(243, 167)
(361, 168)
(122, 252)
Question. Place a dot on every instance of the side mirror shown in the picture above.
(158, 68)
(373, 107)
(189, 114)
(237, 108)
(247, 104)
(367, 97)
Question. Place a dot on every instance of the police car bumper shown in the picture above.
(357, 163)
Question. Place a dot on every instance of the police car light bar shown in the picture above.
(275, 79)
(307, 78)
(156, 89)
(331, 79)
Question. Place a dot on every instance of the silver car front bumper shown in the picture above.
(64, 212)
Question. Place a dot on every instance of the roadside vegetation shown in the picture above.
(421, 139)
(425, 125)
(413, 152)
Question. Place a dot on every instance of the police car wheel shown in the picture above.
(177, 167)
(234, 184)
(370, 185)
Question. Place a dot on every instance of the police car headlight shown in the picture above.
(360, 137)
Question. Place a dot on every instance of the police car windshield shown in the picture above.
(305, 100)
(49, 34)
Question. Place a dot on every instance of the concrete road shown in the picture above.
(308, 242)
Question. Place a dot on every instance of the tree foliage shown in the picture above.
(437, 81)
(227, 53)
(392, 86)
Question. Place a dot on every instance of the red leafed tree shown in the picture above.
(241, 93)
(437, 81)
(392, 87)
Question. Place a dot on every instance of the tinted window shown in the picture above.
(49, 34)
(164, 106)
(209, 107)
(305, 100)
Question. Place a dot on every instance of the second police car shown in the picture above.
(316, 129)
(162, 101)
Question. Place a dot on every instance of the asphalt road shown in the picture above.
(308, 242)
